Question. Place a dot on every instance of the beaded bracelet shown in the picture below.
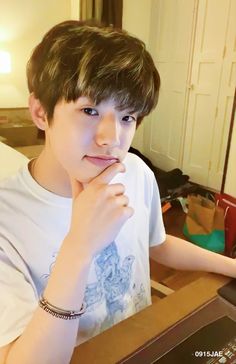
(60, 313)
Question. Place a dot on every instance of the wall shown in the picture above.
(230, 183)
(22, 25)
(136, 20)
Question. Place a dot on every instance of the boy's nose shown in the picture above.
(108, 131)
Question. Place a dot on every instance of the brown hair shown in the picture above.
(74, 59)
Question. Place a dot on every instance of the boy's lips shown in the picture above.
(102, 160)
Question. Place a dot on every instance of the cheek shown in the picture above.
(68, 149)
(127, 138)
(59, 142)
(68, 142)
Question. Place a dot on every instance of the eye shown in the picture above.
(90, 111)
(128, 119)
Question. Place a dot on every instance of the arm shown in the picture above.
(98, 213)
(180, 254)
(43, 340)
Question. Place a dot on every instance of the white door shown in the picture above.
(225, 103)
(210, 100)
(170, 44)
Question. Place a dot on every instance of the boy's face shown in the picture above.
(85, 139)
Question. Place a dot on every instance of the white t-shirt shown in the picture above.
(33, 224)
(10, 160)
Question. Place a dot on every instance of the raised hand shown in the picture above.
(99, 211)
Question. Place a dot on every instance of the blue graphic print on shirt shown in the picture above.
(113, 280)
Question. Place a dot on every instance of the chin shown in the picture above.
(88, 174)
(86, 178)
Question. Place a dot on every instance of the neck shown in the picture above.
(49, 174)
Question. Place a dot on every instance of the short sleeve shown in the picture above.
(17, 303)
(157, 233)
(10, 160)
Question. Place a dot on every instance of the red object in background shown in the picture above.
(165, 207)
(228, 203)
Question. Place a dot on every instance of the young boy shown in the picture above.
(76, 224)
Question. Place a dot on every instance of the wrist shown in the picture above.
(227, 266)
(67, 282)
(232, 268)
(79, 249)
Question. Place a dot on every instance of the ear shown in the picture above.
(37, 112)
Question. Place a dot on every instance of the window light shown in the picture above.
(5, 62)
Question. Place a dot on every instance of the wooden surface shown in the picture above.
(126, 337)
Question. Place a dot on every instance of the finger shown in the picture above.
(122, 200)
(128, 212)
(116, 189)
(109, 173)
(76, 187)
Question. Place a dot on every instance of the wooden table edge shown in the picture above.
(112, 345)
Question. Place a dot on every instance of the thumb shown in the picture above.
(76, 187)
